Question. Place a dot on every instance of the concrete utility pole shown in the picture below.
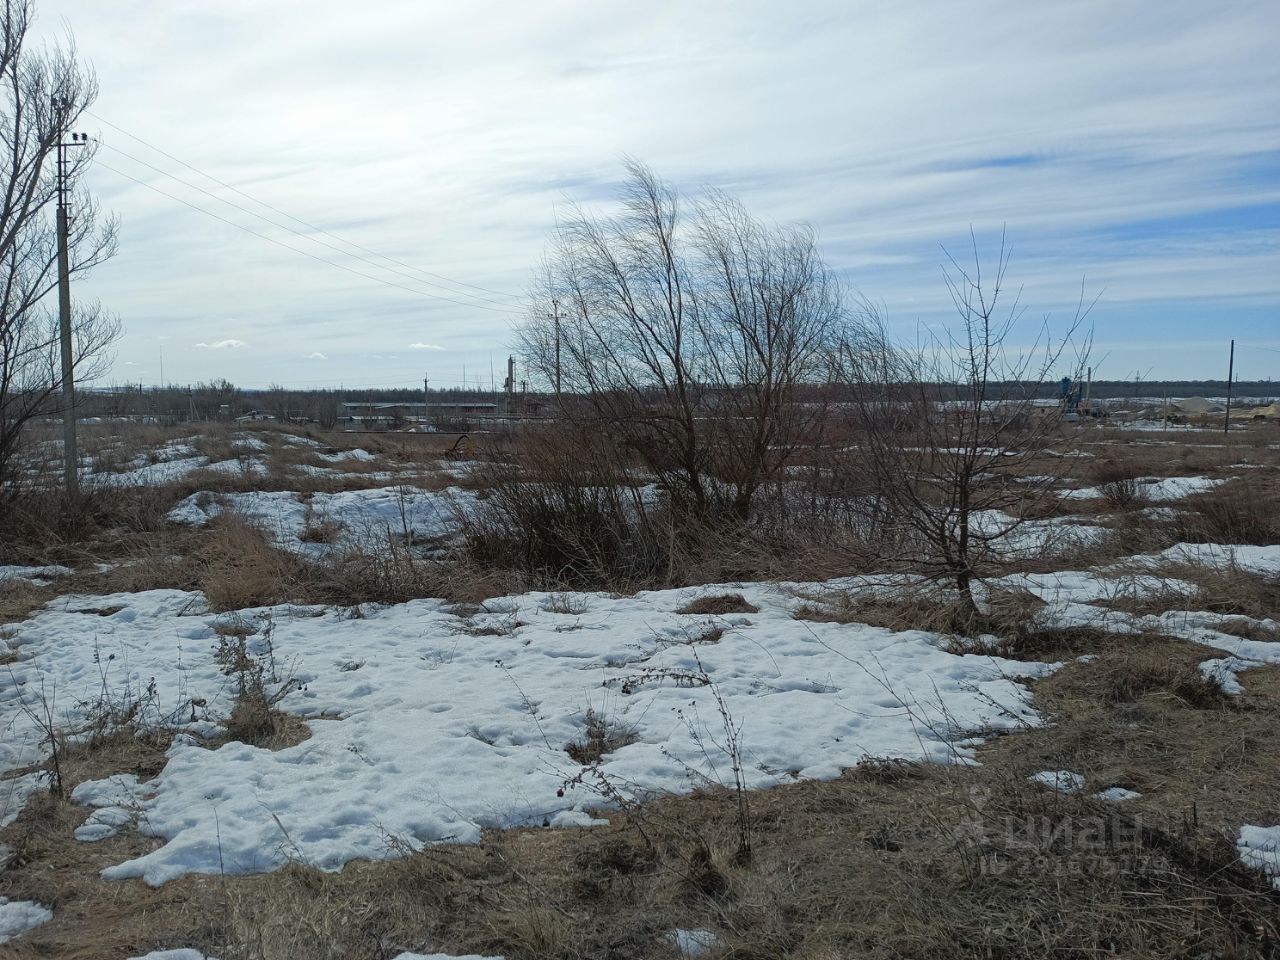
(426, 399)
(70, 458)
(510, 385)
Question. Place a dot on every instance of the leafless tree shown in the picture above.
(945, 424)
(687, 337)
(45, 91)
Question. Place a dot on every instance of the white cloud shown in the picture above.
(885, 133)
(425, 346)
(317, 355)
(231, 344)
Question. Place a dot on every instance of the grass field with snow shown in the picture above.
(284, 701)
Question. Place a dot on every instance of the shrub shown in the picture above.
(1118, 483)
(600, 735)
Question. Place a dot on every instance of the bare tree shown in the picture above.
(946, 423)
(45, 91)
(686, 337)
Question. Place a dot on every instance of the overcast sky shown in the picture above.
(1135, 146)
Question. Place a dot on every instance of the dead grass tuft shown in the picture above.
(1242, 511)
(239, 568)
(1145, 674)
(600, 735)
(322, 531)
(1117, 481)
(719, 604)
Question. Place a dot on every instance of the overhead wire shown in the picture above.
(299, 234)
(305, 223)
(305, 253)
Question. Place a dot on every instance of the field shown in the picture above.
(275, 693)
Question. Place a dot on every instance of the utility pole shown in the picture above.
(555, 315)
(70, 458)
(509, 386)
(426, 399)
(1231, 371)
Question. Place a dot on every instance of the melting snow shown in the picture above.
(1063, 781)
(1154, 489)
(362, 514)
(19, 916)
(441, 727)
(693, 943)
(1116, 794)
(1260, 847)
(15, 791)
(37, 575)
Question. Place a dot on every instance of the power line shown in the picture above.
(281, 243)
(297, 233)
(309, 226)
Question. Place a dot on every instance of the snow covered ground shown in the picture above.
(362, 516)
(1025, 539)
(37, 575)
(426, 727)
(1260, 847)
(19, 916)
(1153, 489)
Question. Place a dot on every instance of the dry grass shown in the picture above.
(239, 568)
(1152, 671)
(719, 604)
(1243, 511)
(891, 860)
(20, 598)
(1226, 589)
(1006, 624)
(601, 735)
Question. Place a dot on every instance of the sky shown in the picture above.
(1132, 149)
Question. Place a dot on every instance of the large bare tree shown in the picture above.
(44, 90)
(687, 335)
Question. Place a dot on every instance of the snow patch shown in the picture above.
(1260, 847)
(1064, 781)
(1116, 794)
(19, 916)
(15, 791)
(37, 575)
(693, 943)
(361, 516)
(446, 730)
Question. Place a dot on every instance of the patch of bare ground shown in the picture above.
(1006, 625)
(719, 604)
(20, 598)
(1141, 717)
